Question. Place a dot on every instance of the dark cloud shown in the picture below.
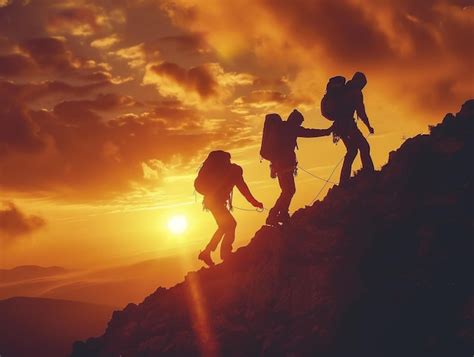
(80, 110)
(15, 224)
(194, 43)
(345, 31)
(197, 79)
(79, 20)
(262, 97)
(14, 65)
(99, 76)
(18, 131)
(50, 53)
(11, 93)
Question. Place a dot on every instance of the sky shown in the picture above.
(108, 108)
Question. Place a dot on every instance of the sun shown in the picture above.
(178, 224)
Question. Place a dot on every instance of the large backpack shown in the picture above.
(210, 173)
(331, 104)
(271, 138)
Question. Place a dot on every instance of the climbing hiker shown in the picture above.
(339, 104)
(215, 181)
(278, 146)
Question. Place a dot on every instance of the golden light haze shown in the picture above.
(107, 108)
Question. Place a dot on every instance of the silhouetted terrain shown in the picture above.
(381, 267)
(47, 327)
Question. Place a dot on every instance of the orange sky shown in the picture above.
(107, 108)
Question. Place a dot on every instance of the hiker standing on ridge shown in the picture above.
(341, 102)
(216, 179)
(278, 146)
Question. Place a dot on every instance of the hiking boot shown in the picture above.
(272, 220)
(205, 256)
(283, 218)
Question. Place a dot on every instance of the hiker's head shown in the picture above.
(295, 118)
(359, 80)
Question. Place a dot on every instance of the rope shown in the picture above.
(259, 210)
(327, 181)
(316, 176)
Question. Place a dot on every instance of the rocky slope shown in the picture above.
(381, 267)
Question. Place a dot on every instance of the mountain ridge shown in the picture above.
(23, 272)
(380, 266)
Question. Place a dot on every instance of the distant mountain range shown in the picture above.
(115, 286)
(26, 272)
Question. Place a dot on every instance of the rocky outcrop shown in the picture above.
(380, 267)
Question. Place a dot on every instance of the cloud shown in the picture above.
(50, 53)
(197, 79)
(14, 65)
(202, 83)
(15, 224)
(191, 44)
(12, 93)
(105, 42)
(77, 21)
(134, 55)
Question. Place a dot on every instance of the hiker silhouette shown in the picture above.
(278, 146)
(215, 181)
(339, 104)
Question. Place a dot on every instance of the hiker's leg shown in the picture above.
(219, 215)
(216, 238)
(275, 210)
(288, 190)
(351, 153)
(229, 235)
(364, 149)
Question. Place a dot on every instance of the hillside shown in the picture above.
(25, 272)
(47, 327)
(381, 267)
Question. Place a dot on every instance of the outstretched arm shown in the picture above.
(361, 113)
(313, 133)
(245, 191)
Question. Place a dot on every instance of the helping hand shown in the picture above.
(330, 130)
(257, 204)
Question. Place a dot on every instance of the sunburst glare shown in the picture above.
(178, 224)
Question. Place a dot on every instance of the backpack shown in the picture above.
(210, 173)
(332, 100)
(271, 138)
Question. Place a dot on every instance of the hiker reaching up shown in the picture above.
(278, 146)
(340, 103)
(216, 180)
